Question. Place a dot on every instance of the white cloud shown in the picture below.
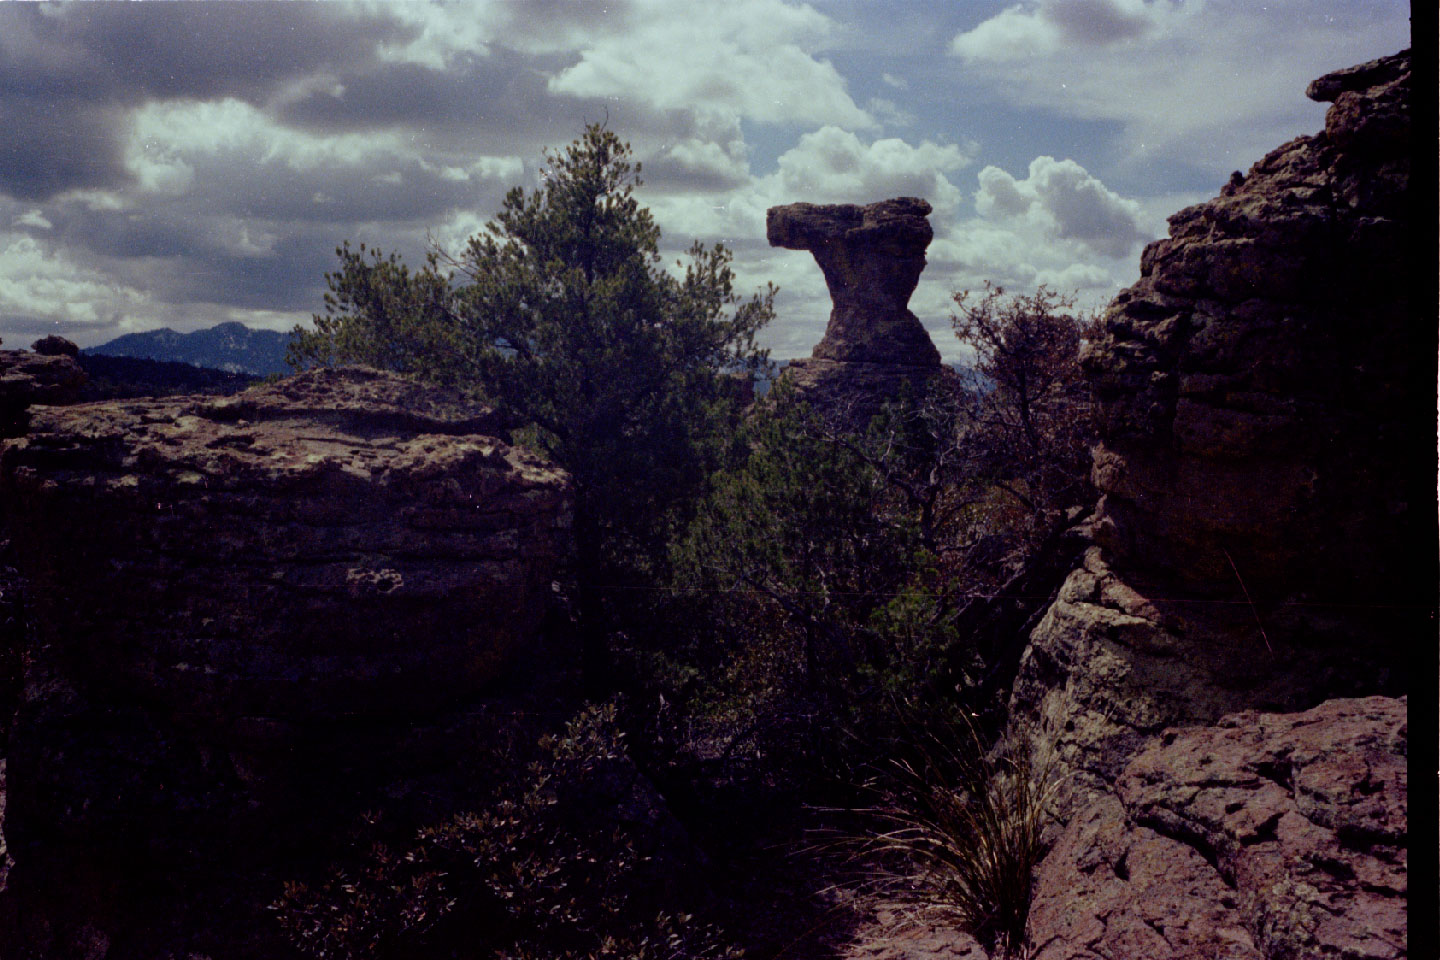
(1038, 29)
(33, 218)
(748, 58)
(833, 165)
(1212, 83)
(889, 113)
(41, 283)
(1070, 203)
(890, 80)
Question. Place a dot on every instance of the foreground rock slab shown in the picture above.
(241, 612)
(1275, 836)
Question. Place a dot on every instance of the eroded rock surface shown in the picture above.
(1265, 836)
(872, 257)
(246, 610)
(1264, 439)
(1266, 427)
(33, 378)
(1258, 396)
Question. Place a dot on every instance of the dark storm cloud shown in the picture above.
(69, 73)
(1098, 21)
(18, 328)
(496, 102)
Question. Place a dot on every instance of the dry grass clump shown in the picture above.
(960, 834)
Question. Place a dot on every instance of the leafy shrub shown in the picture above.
(578, 862)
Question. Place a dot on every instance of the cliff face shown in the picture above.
(244, 612)
(1261, 544)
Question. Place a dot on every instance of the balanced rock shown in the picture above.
(245, 612)
(872, 257)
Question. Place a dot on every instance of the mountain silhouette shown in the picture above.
(232, 347)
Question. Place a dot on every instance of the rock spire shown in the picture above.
(872, 257)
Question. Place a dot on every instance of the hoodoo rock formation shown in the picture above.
(872, 257)
(1261, 545)
(242, 614)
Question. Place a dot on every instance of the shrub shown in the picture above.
(574, 864)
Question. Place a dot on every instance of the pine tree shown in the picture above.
(561, 312)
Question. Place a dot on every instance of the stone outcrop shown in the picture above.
(1264, 542)
(1264, 836)
(245, 613)
(1256, 393)
(55, 346)
(1260, 540)
(872, 257)
(34, 378)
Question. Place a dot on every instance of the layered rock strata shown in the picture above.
(872, 257)
(245, 612)
(1264, 422)
(1264, 542)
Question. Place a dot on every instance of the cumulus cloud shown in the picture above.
(747, 58)
(833, 165)
(70, 74)
(1036, 29)
(1064, 197)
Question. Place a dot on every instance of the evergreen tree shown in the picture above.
(562, 312)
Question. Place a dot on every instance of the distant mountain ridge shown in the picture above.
(232, 347)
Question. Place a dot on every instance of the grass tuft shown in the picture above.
(960, 832)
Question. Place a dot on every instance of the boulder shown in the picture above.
(1276, 836)
(873, 346)
(34, 378)
(246, 612)
(55, 346)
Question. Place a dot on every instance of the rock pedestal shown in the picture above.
(244, 613)
(872, 257)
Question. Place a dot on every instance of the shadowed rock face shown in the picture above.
(1259, 546)
(246, 614)
(872, 257)
(31, 378)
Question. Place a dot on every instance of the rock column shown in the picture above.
(872, 257)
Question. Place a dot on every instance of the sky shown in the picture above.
(182, 165)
